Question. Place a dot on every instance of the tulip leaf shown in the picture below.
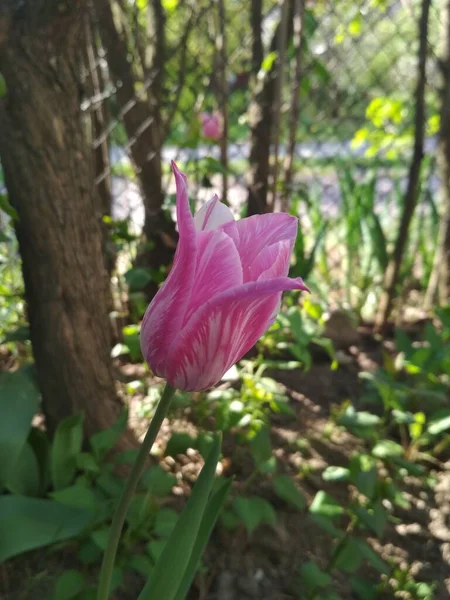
(19, 402)
(171, 569)
(29, 523)
(66, 446)
(212, 511)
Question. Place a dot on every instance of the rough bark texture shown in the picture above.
(261, 112)
(141, 118)
(439, 284)
(50, 184)
(393, 270)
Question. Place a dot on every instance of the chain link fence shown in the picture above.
(344, 78)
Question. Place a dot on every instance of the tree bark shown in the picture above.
(277, 106)
(50, 183)
(261, 112)
(410, 201)
(299, 19)
(439, 284)
(141, 118)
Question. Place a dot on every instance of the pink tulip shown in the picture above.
(211, 125)
(222, 293)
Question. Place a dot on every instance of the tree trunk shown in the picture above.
(261, 111)
(439, 284)
(50, 183)
(393, 269)
(141, 119)
(299, 26)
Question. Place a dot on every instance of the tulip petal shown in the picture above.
(165, 314)
(212, 215)
(254, 234)
(222, 331)
(272, 262)
(218, 269)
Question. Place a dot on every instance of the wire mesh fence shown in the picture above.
(334, 89)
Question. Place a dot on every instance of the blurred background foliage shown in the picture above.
(337, 424)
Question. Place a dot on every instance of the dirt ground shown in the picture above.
(266, 565)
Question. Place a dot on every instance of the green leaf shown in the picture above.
(325, 505)
(313, 577)
(103, 441)
(141, 564)
(79, 496)
(20, 334)
(387, 449)
(352, 418)
(29, 523)
(19, 402)
(24, 477)
(6, 207)
(372, 557)
(138, 278)
(326, 524)
(364, 588)
(212, 511)
(157, 481)
(336, 474)
(288, 491)
(254, 511)
(66, 446)
(349, 557)
(374, 517)
(41, 446)
(68, 585)
(260, 446)
(165, 522)
(100, 537)
(439, 422)
(364, 474)
(178, 444)
(3, 88)
(155, 549)
(170, 569)
(85, 461)
(132, 341)
(268, 61)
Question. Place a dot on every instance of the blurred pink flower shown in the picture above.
(222, 293)
(211, 125)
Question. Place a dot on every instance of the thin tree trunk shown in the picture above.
(261, 113)
(439, 284)
(222, 51)
(278, 104)
(50, 184)
(299, 19)
(410, 201)
(141, 119)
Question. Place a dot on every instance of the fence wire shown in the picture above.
(356, 83)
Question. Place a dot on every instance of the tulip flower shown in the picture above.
(222, 293)
(211, 125)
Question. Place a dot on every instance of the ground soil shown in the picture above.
(266, 565)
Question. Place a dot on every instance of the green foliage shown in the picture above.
(65, 448)
(19, 401)
(29, 523)
(175, 569)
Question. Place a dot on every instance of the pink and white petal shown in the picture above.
(253, 234)
(222, 331)
(212, 215)
(164, 317)
(272, 262)
(218, 269)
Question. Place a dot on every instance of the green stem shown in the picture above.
(127, 494)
